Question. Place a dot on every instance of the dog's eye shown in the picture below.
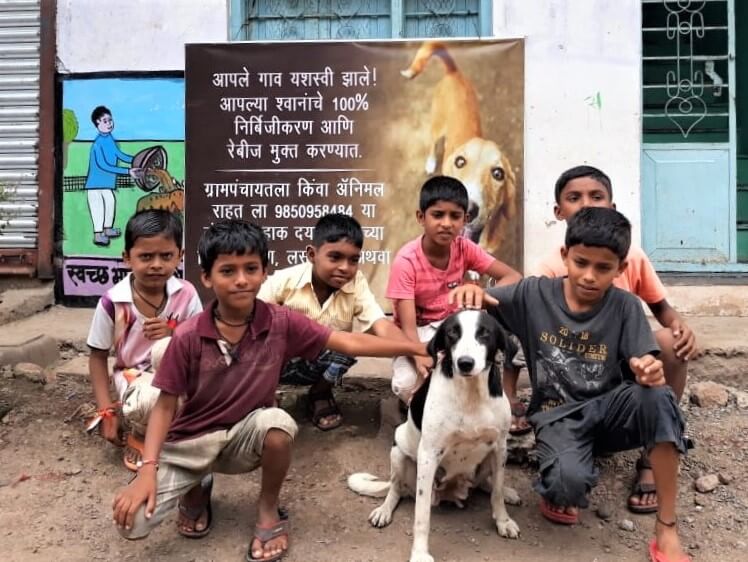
(497, 173)
(460, 162)
(481, 333)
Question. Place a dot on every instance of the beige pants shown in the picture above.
(404, 376)
(183, 464)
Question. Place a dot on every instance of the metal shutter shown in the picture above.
(19, 122)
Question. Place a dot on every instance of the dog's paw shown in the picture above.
(511, 497)
(508, 528)
(380, 517)
(421, 557)
(408, 73)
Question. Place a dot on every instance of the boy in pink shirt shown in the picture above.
(427, 268)
(586, 186)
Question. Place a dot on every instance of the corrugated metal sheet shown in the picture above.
(19, 122)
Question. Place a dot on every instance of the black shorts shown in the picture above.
(567, 438)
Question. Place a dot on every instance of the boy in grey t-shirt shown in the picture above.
(597, 385)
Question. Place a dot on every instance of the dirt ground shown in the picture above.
(57, 483)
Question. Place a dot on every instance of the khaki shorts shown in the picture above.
(404, 376)
(184, 463)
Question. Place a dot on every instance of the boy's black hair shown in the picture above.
(99, 112)
(600, 227)
(443, 188)
(335, 227)
(231, 237)
(583, 172)
(153, 222)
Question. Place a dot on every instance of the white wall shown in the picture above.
(573, 50)
(134, 35)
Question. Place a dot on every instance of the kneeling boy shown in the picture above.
(225, 363)
(597, 386)
(329, 289)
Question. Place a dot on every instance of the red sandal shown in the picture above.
(562, 518)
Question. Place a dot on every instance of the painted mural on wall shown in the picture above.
(122, 151)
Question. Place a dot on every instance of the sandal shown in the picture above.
(265, 534)
(656, 555)
(133, 452)
(519, 411)
(640, 489)
(562, 518)
(195, 512)
(330, 409)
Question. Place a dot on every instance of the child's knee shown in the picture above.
(278, 427)
(140, 529)
(404, 378)
(276, 441)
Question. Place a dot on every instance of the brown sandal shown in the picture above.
(519, 411)
(330, 409)
(193, 513)
(640, 489)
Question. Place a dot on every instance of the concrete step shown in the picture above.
(38, 338)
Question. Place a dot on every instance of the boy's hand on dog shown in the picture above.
(685, 340)
(648, 370)
(129, 499)
(471, 296)
(423, 366)
(156, 328)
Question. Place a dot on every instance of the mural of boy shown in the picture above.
(102, 176)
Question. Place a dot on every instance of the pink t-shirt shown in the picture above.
(639, 278)
(117, 323)
(412, 277)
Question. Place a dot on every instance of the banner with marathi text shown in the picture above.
(282, 133)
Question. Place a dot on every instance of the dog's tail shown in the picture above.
(368, 485)
(427, 50)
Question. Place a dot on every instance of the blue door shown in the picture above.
(688, 162)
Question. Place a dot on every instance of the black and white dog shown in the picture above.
(455, 436)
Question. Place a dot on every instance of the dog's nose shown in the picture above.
(473, 210)
(465, 364)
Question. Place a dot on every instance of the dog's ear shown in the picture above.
(495, 390)
(439, 344)
(509, 209)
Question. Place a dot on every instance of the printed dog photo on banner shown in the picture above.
(459, 111)
(122, 151)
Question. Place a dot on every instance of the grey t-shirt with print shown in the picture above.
(572, 357)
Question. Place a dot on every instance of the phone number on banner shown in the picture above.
(310, 211)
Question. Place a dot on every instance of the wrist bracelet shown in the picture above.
(141, 463)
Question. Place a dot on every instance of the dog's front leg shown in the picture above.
(504, 524)
(428, 461)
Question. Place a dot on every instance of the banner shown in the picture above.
(281, 134)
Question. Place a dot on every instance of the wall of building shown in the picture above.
(134, 35)
(582, 102)
(582, 82)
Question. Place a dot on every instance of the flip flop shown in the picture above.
(639, 489)
(519, 410)
(557, 517)
(656, 555)
(331, 409)
(265, 534)
(194, 513)
(135, 444)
